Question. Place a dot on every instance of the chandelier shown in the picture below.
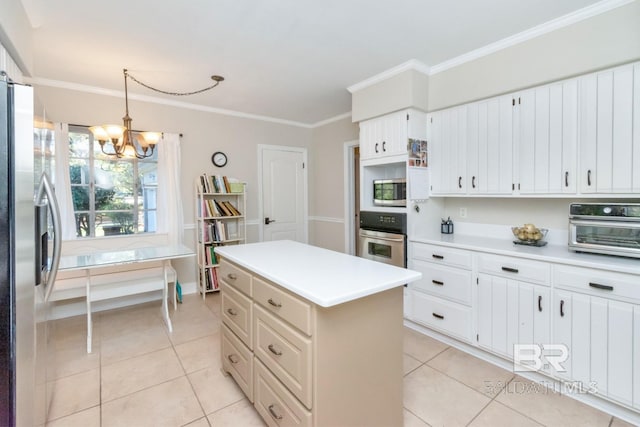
(120, 138)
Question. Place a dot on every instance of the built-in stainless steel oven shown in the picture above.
(383, 237)
(605, 228)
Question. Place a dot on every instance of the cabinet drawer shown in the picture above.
(237, 312)
(285, 351)
(443, 281)
(235, 276)
(237, 359)
(441, 255)
(515, 268)
(449, 317)
(288, 307)
(597, 282)
(275, 403)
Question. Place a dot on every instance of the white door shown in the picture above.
(284, 193)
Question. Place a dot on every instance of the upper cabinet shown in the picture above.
(385, 137)
(577, 136)
(610, 131)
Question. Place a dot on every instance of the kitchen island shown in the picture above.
(312, 336)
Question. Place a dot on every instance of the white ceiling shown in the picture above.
(285, 59)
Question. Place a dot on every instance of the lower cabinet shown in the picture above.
(512, 313)
(305, 365)
(602, 337)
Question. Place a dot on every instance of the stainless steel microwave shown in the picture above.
(390, 192)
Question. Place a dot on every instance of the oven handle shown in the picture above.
(384, 239)
(622, 223)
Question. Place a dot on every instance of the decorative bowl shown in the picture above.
(529, 233)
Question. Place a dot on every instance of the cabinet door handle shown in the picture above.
(437, 316)
(232, 359)
(589, 177)
(437, 282)
(232, 276)
(376, 148)
(539, 302)
(599, 286)
(232, 312)
(566, 179)
(459, 182)
(561, 308)
(273, 350)
(273, 413)
(384, 148)
(273, 303)
(510, 270)
(437, 256)
(473, 182)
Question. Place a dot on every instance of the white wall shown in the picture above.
(16, 35)
(599, 42)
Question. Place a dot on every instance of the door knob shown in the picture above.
(268, 221)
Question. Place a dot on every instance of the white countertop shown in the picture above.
(324, 277)
(551, 252)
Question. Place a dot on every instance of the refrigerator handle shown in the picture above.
(46, 189)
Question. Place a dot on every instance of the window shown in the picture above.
(110, 196)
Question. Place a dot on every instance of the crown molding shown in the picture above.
(331, 120)
(412, 64)
(37, 81)
(539, 30)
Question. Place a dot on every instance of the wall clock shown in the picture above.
(219, 159)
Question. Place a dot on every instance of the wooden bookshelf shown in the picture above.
(220, 207)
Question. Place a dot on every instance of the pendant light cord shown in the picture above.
(217, 80)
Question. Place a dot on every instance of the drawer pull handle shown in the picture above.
(599, 286)
(437, 282)
(273, 413)
(539, 302)
(273, 350)
(232, 312)
(232, 276)
(232, 359)
(561, 308)
(273, 303)
(510, 270)
(437, 256)
(438, 316)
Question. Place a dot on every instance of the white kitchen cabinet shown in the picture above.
(512, 312)
(608, 142)
(547, 127)
(596, 315)
(387, 136)
(449, 147)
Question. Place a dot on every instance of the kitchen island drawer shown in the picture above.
(286, 352)
(597, 282)
(275, 403)
(515, 268)
(441, 255)
(446, 282)
(283, 304)
(237, 359)
(448, 317)
(236, 310)
(235, 276)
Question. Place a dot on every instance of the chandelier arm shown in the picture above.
(217, 79)
(115, 152)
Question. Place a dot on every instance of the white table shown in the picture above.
(93, 261)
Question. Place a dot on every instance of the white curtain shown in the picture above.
(170, 216)
(63, 182)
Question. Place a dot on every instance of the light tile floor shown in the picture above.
(139, 374)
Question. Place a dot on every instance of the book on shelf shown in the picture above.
(211, 184)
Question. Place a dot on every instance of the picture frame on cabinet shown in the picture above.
(417, 153)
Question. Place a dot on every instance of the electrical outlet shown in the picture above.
(463, 212)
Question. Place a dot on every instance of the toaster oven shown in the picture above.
(605, 228)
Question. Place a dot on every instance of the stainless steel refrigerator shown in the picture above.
(28, 262)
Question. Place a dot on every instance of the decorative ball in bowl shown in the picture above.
(529, 233)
